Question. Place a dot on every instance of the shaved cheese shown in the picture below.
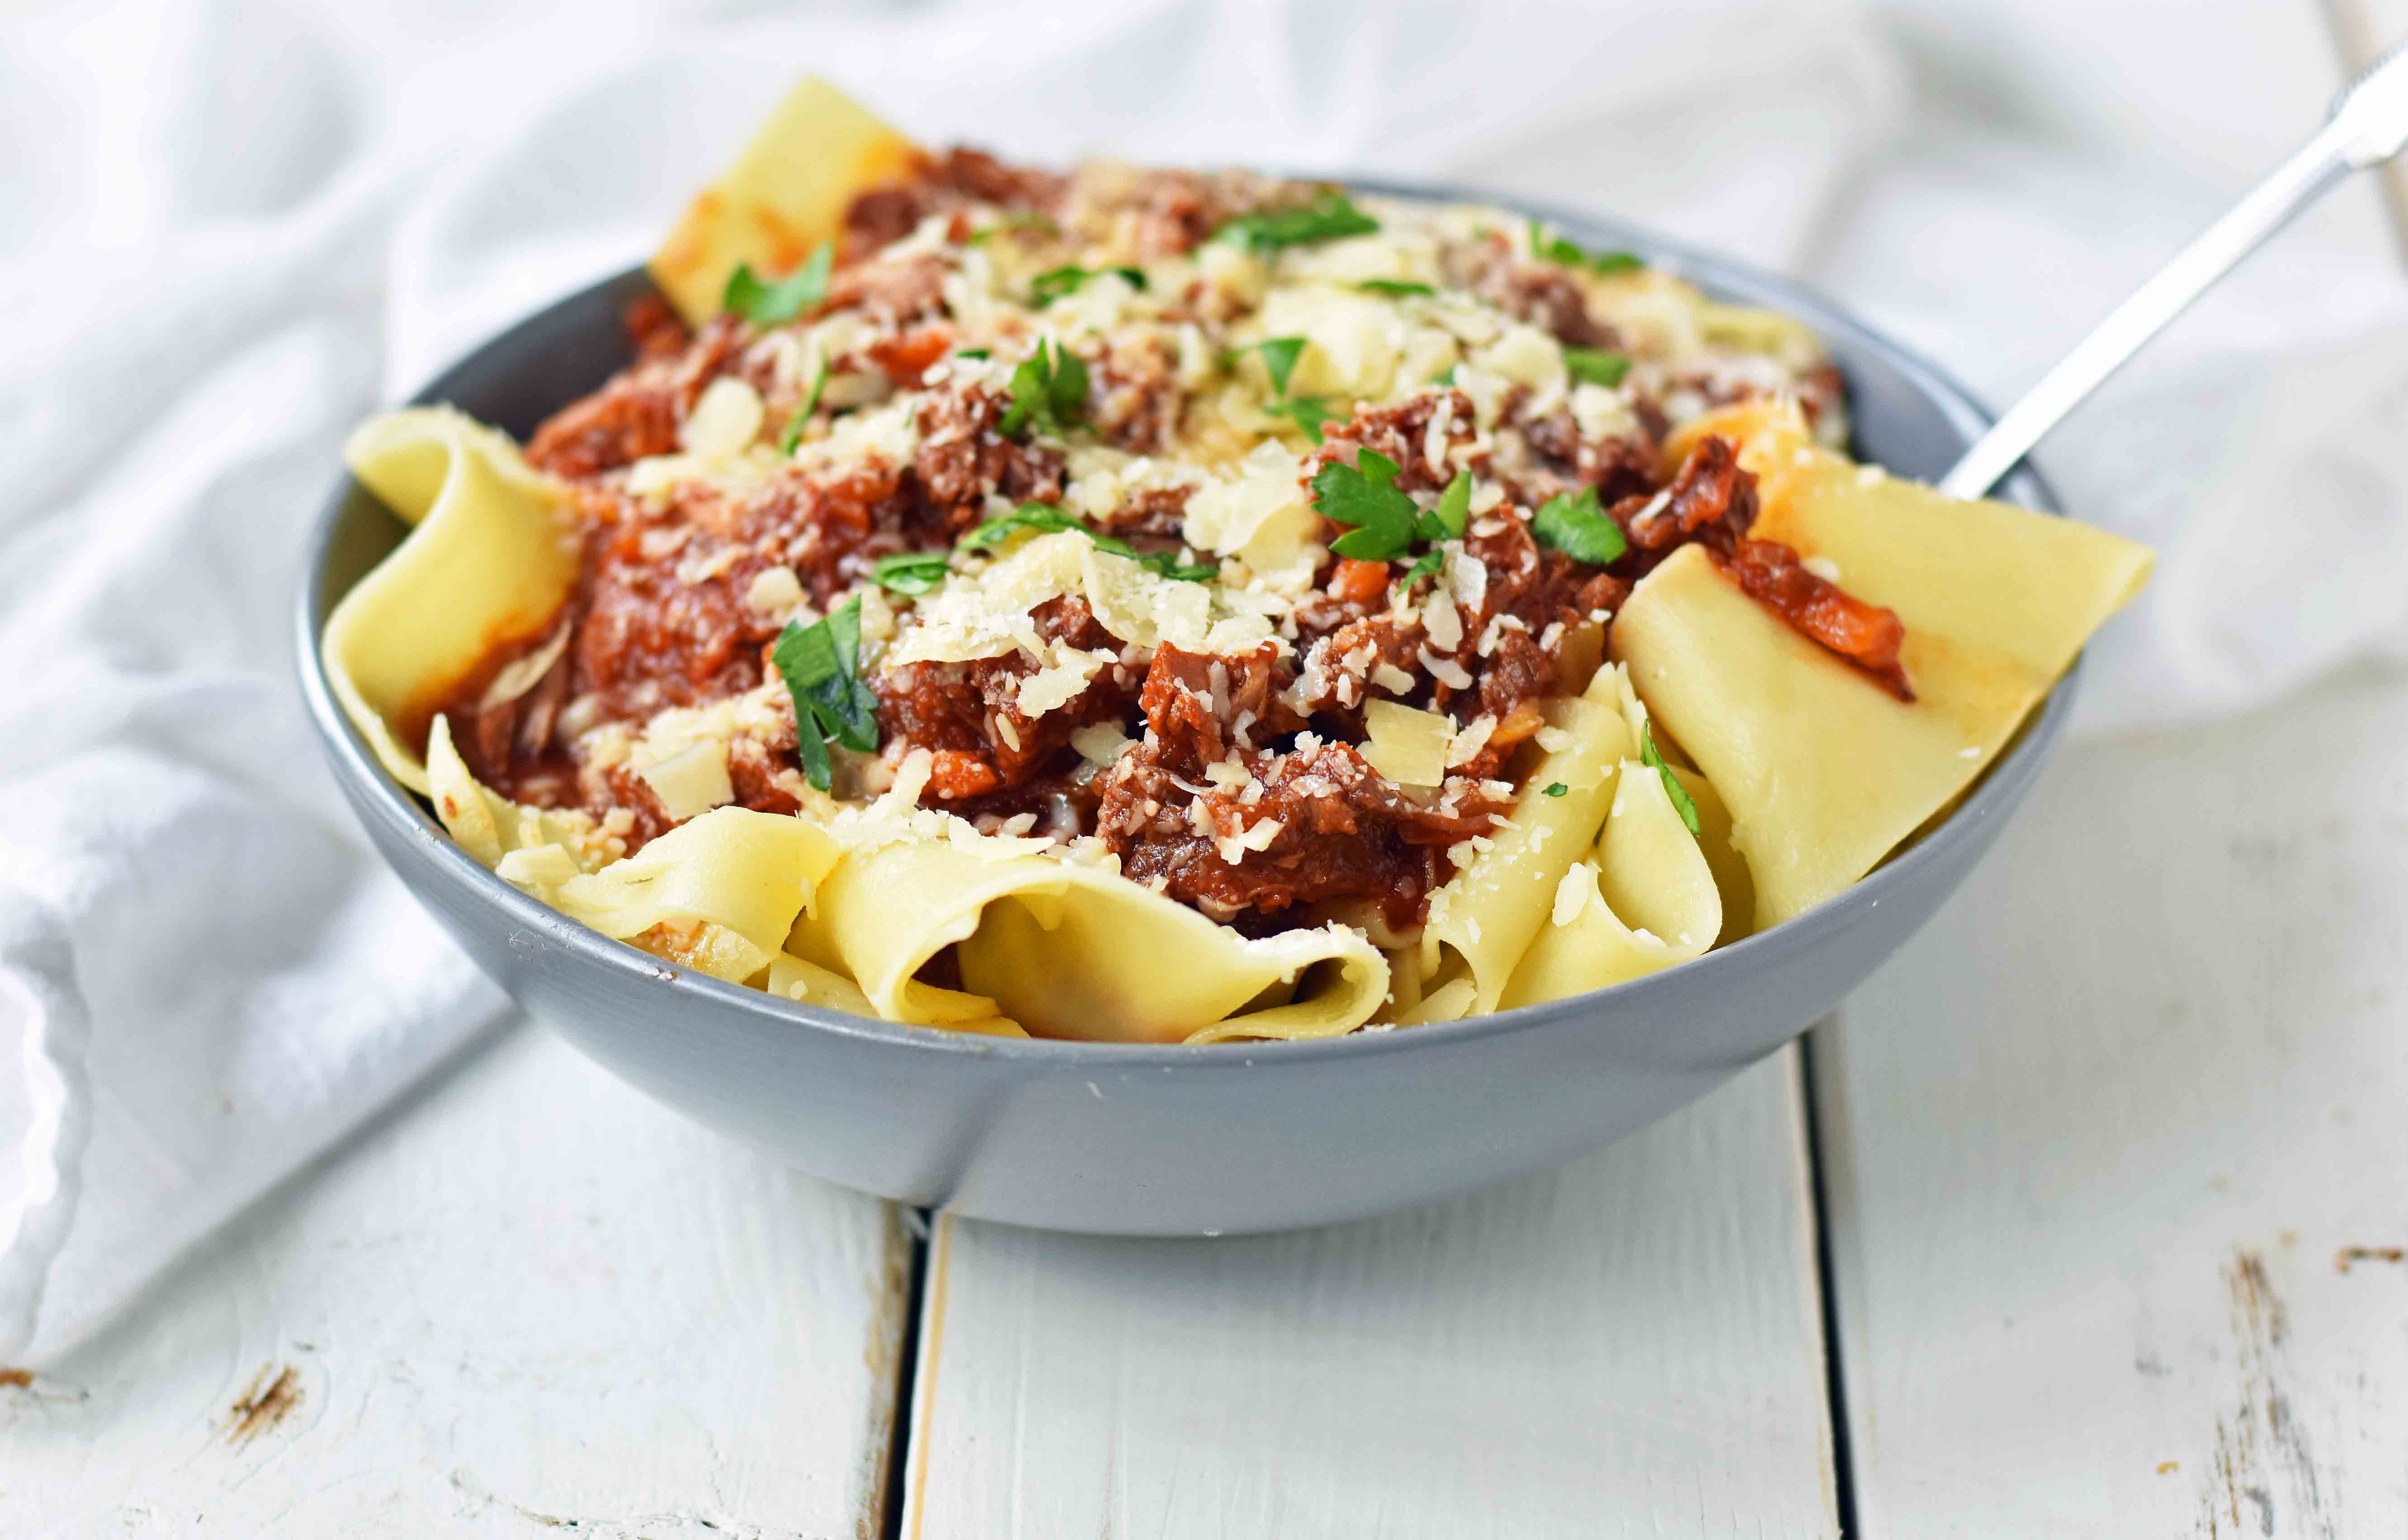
(1407, 746)
(774, 591)
(1100, 743)
(527, 672)
(692, 782)
(1262, 515)
(1059, 682)
(725, 420)
(1572, 893)
(1468, 744)
(1355, 339)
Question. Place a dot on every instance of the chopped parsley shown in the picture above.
(1554, 788)
(911, 571)
(1327, 217)
(1014, 221)
(973, 352)
(822, 667)
(1386, 523)
(1596, 365)
(1574, 524)
(1049, 390)
(1308, 412)
(1557, 249)
(793, 433)
(1046, 518)
(1431, 560)
(1053, 284)
(1444, 376)
(1454, 511)
(766, 304)
(1279, 356)
(1682, 803)
(1394, 287)
(1362, 496)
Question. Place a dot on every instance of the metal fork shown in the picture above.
(2366, 126)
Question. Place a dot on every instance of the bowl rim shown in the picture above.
(382, 800)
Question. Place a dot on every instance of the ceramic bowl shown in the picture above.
(1167, 1140)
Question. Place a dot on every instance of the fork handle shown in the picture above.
(2301, 178)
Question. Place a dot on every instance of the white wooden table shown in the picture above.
(2084, 1220)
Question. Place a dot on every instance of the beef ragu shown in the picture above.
(1430, 483)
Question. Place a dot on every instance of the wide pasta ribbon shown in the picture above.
(1641, 899)
(718, 893)
(489, 561)
(1070, 951)
(1824, 771)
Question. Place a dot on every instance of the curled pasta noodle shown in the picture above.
(725, 888)
(488, 560)
(1067, 951)
(1643, 899)
(1487, 914)
(1822, 775)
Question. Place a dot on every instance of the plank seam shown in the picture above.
(906, 1377)
(1835, 1377)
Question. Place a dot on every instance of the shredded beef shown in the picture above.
(637, 414)
(1138, 399)
(1539, 292)
(892, 291)
(1867, 636)
(1344, 834)
(1402, 432)
(1156, 514)
(1711, 500)
(952, 179)
(963, 459)
(968, 713)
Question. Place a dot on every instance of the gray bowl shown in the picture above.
(1166, 1140)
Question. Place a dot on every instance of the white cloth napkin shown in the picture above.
(218, 249)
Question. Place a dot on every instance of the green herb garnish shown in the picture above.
(1328, 217)
(1362, 496)
(1573, 523)
(973, 352)
(1386, 522)
(1023, 221)
(1557, 249)
(1431, 560)
(792, 433)
(1554, 788)
(1596, 365)
(1394, 287)
(911, 571)
(766, 304)
(1280, 355)
(822, 667)
(1454, 510)
(1682, 803)
(1309, 412)
(1051, 285)
(1049, 388)
(1045, 518)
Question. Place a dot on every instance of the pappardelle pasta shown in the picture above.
(1161, 605)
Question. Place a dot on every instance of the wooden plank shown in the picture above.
(2115, 1153)
(1630, 1344)
(531, 1302)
